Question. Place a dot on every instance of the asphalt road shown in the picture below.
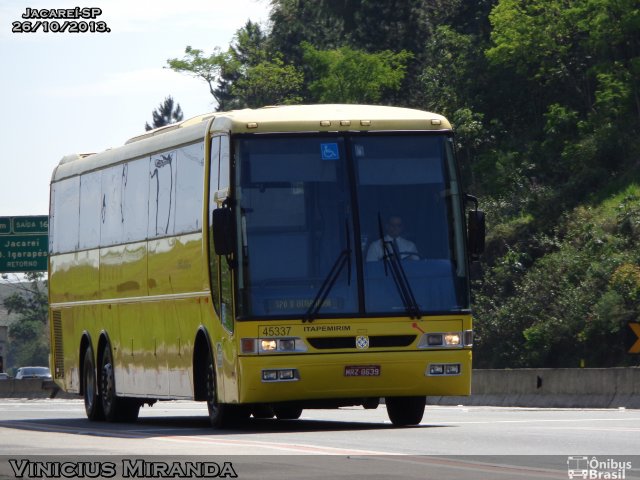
(451, 442)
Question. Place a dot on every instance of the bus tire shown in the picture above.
(405, 411)
(221, 415)
(116, 409)
(287, 412)
(90, 391)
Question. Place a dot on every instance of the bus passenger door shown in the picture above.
(224, 348)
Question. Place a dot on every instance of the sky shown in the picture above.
(85, 92)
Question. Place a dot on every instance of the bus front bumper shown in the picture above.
(360, 375)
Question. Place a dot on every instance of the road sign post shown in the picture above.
(24, 243)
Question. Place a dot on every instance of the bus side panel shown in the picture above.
(85, 278)
(72, 277)
(61, 278)
(184, 264)
(179, 330)
(160, 265)
(139, 364)
(123, 271)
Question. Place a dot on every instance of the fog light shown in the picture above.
(268, 345)
(452, 339)
(269, 375)
(452, 369)
(436, 369)
(286, 375)
(287, 344)
(434, 339)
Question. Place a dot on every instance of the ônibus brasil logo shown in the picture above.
(597, 468)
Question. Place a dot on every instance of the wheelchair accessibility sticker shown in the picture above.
(329, 151)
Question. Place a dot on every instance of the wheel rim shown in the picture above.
(89, 387)
(212, 403)
(107, 384)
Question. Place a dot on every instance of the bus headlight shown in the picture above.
(444, 340)
(451, 339)
(272, 345)
(287, 344)
(268, 345)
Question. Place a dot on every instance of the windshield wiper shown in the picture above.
(344, 258)
(391, 258)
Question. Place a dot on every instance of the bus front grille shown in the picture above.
(376, 341)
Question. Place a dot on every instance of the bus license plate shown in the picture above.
(362, 371)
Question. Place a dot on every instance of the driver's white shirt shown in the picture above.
(406, 249)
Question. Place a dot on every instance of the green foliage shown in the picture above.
(269, 83)
(29, 335)
(345, 75)
(205, 67)
(544, 96)
(166, 114)
(573, 303)
(246, 75)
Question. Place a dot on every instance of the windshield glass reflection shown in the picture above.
(297, 220)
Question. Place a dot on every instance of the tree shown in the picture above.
(29, 336)
(268, 83)
(166, 114)
(207, 68)
(345, 75)
(246, 51)
(253, 76)
(247, 74)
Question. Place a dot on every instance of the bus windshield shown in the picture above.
(358, 225)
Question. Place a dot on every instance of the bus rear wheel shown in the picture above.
(116, 409)
(405, 411)
(221, 415)
(92, 402)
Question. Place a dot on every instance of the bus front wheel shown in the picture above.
(92, 402)
(221, 414)
(405, 411)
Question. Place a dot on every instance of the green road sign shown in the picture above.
(5, 225)
(31, 225)
(23, 243)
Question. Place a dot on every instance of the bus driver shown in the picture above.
(394, 243)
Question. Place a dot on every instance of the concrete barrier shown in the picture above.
(552, 387)
(31, 388)
(535, 387)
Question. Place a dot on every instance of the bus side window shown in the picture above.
(189, 189)
(224, 163)
(226, 279)
(66, 212)
(90, 206)
(162, 188)
(214, 260)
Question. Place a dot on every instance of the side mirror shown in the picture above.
(476, 234)
(223, 232)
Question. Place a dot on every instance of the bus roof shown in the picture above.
(293, 118)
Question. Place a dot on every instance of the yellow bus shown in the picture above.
(265, 261)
